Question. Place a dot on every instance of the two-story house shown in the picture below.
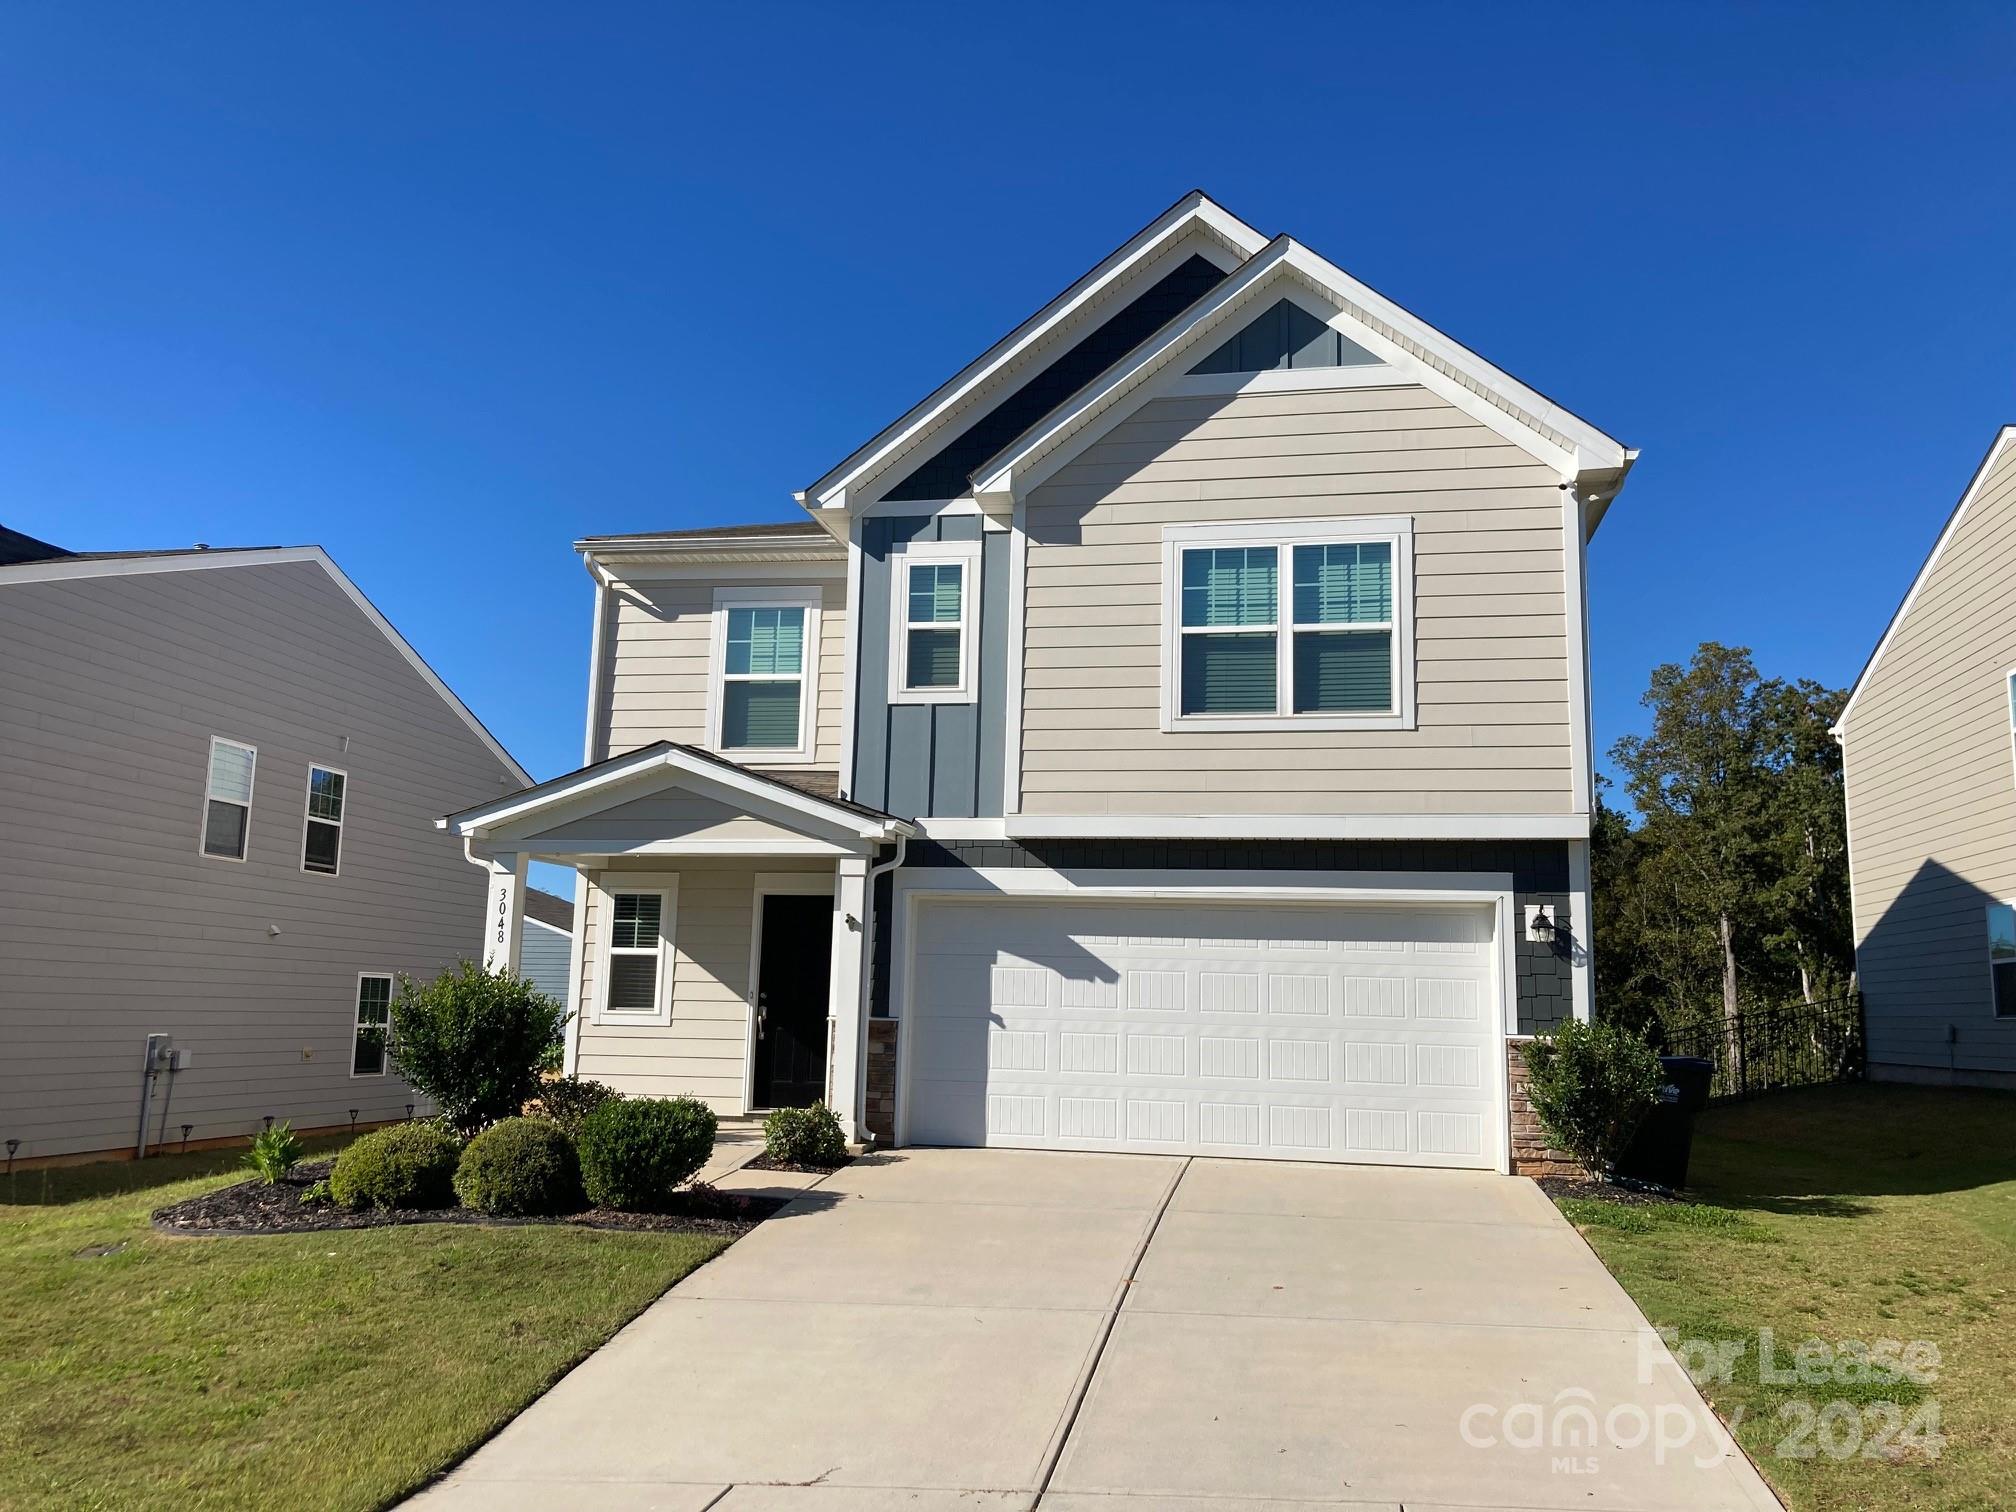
(1170, 735)
(219, 772)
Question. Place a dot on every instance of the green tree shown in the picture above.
(473, 1041)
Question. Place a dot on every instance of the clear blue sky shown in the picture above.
(443, 288)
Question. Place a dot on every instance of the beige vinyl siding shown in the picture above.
(1491, 620)
(1932, 802)
(704, 1051)
(657, 639)
(113, 926)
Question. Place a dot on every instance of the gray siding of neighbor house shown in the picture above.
(1931, 778)
(1539, 870)
(545, 956)
(114, 926)
(940, 759)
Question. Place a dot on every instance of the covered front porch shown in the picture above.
(721, 924)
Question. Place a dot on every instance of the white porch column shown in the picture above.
(504, 918)
(846, 1010)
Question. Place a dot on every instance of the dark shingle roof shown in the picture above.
(549, 908)
(16, 547)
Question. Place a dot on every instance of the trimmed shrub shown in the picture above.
(275, 1151)
(805, 1136)
(566, 1100)
(636, 1153)
(1591, 1086)
(472, 1040)
(522, 1167)
(410, 1165)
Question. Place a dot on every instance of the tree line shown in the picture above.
(1726, 885)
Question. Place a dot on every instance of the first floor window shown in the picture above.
(322, 839)
(2002, 957)
(374, 1025)
(227, 806)
(636, 951)
(763, 679)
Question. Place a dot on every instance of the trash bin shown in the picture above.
(1665, 1140)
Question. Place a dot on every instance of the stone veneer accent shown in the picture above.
(1531, 1155)
(879, 1116)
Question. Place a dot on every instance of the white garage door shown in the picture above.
(1302, 1033)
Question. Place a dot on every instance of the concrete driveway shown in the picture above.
(940, 1329)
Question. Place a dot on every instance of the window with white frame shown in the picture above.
(634, 952)
(322, 831)
(2002, 958)
(765, 673)
(931, 630)
(1302, 625)
(227, 795)
(373, 1024)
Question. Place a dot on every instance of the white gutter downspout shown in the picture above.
(868, 957)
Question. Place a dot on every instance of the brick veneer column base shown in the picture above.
(879, 1116)
(1531, 1155)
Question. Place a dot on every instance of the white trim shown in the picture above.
(1582, 948)
(1301, 826)
(965, 555)
(1581, 733)
(771, 884)
(1194, 211)
(962, 829)
(597, 648)
(203, 815)
(700, 848)
(391, 981)
(308, 818)
(2003, 438)
(1018, 594)
(915, 886)
(1283, 536)
(850, 668)
(66, 569)
(790, 597)
(927, 509)
(2009, 694)
(1368, 375)
(641, 571)
(576, 958)
(532, 923)
(666, 886)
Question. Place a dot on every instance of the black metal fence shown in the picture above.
(1789, 1045)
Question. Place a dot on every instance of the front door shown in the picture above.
(793, 972)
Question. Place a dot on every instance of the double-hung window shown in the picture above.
(765, 673)
(2002, 958)
(931, 623)
(636, 959)
(373, 1024)
(322, 827)
(1295, 625)
(227, 799)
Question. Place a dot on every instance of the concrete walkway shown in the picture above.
(940, 1329)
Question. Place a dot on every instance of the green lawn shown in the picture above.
(322, 1371)
(1858, 1212)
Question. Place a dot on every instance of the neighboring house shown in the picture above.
(218, 775)
(1172, 734)
(548, 953)
(1928, 737)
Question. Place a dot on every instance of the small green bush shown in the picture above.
(805, 1136)
(472, 1041)
(410, 1165)
(566, 1100)
(317, 1194)
(275, 1151)
(636, 1153)
(1591, 1086)
(521, 1167)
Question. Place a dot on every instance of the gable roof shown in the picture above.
(550, 909)
(80, 565)
(2004, 438)
(1194, 211)
(1484, 391)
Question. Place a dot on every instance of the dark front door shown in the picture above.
(792, 975)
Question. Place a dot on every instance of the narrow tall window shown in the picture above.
(227, 807)
(2002, 958)
(763, 679)
(933, 640)
(374, 1024)
(636, 951)
(322, 838)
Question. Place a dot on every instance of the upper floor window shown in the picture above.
(1289, 625)
(227, 806)
(765, 672)
(2002, 958)
(322, 833)
(932, 624)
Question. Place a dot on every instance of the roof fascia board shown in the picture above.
(66, 570)
(2003, 439)
(1193, 210)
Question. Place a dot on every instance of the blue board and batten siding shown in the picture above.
(931, 759)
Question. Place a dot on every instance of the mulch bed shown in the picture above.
(252, 1207)
(771, 1163)
(1626, 1193)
